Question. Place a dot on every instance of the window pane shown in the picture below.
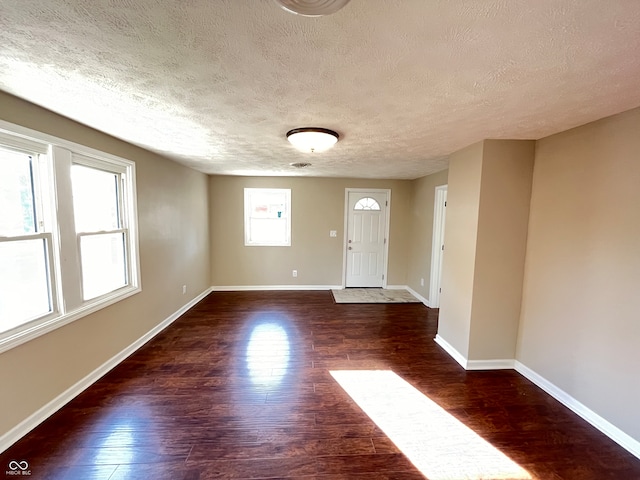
(95, 199)
(16, 194)
(267, 216)
(103, 264)
(268, 230)
(268, 205)
(24, 283)
(366, 203)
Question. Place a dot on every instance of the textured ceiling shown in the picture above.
(216, 84)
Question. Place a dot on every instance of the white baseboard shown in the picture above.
(418, 296)
(232, 288)
(40, 415)
(496, 364)
(455, 354)
(235, 288)
(614, 433)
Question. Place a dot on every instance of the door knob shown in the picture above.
(349, 248)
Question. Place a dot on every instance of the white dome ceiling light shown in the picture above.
(312, 8)
(312, 139)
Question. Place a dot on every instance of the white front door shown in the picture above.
(367, 213)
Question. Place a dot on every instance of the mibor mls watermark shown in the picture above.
(18, 468)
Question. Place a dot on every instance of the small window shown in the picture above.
(366, 203)
(267, 217)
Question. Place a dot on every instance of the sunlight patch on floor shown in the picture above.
(437, 443)
(268, 354)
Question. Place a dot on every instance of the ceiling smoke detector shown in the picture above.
(312, 8)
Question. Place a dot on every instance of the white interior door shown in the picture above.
(437, 252)
(367, 216)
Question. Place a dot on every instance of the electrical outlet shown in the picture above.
(422, 282)
(184, 289)
(294, 273)
(333, 233)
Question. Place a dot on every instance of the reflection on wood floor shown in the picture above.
(239, 387)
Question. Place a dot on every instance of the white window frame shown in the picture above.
(43, 228)
(248, 193)
(64, 261)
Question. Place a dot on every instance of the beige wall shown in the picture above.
(421, 237)
(174, 239)
(580, 321)
(317, 208)
(485, 238)
(503, 216)
(458, 263)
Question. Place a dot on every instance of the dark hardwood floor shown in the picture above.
(239, 387)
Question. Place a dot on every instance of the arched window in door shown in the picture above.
(366, 203)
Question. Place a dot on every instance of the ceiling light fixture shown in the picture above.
(312, 139)
(312, 8)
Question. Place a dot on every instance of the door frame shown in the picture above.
(437, 245)
(345, 244)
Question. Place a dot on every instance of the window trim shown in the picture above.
(22, 138)
(123, 219)
(247, 217)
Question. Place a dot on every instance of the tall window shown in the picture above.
(25, 238)
(68, 233)
(100, 228)
(267, 216)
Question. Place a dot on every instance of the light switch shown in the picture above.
(333, 233)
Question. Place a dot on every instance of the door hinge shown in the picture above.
(385, 241)
(386, 203)
(443, 248)
(439, 290)
(445, 203)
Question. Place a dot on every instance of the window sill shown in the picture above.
(267, 244)
(37, 328)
